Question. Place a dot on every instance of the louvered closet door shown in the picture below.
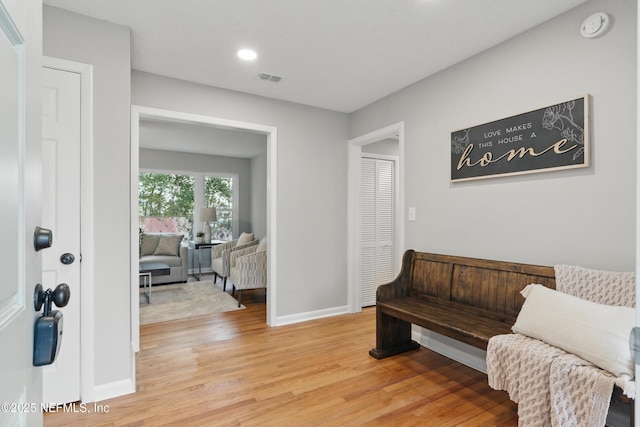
(376, 226)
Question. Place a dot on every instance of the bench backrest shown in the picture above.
(491, 286)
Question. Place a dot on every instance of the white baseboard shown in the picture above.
(114, 389)
(311, 315)
(460, 352)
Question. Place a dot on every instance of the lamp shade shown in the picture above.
(208, 215)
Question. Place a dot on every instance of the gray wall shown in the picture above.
(584, 217)
(190, 162)
(107, 47)
(259, 195)
(387, 147)
(312, 174)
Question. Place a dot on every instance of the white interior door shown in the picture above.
(20, 388)
(377, 201)
(61, 213)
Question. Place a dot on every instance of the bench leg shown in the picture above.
(393, 336)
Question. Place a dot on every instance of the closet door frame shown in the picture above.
(354, 147)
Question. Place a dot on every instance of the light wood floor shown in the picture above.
(231, 369)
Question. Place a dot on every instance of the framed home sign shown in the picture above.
(550, 138)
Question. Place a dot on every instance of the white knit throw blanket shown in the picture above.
(603, 287)
(551, 387)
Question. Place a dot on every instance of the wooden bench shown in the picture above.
(467, 299)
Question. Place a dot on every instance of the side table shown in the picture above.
(197, 248)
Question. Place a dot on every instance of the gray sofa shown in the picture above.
(166, 248)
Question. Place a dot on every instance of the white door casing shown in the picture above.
(355, 145)
(377, 220)
(141, 112)
(61, 213)
(20, 52)
(636, 402)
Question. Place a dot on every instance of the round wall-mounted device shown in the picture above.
(595, 25)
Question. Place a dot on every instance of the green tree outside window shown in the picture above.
(166, 202)
(218, 193)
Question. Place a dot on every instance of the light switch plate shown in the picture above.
(412, 214)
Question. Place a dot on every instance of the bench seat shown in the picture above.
(455, 321)
(467, 299)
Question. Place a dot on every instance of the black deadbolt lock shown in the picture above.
(42, 238)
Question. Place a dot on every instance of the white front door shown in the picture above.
(61, 213)
(377, 221)
(20, 52)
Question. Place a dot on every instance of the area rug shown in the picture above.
(184, 300)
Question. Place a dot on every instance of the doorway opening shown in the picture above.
(356, 148)
(139, 113)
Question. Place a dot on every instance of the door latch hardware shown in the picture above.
(47, 333)
(67, 258)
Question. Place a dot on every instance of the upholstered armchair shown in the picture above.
(220, 255)
(248, 268)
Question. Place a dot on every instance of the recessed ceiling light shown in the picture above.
(247, 54)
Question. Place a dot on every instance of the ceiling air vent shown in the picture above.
(269, 77)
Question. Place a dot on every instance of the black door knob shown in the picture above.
(67, 258)
(59, 296)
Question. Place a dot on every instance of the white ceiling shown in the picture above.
(201, 139)
(336, 54)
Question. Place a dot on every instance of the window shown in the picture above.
(166, 202)
(218, 192)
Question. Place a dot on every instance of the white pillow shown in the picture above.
(245, 238)
(262, 246)
(597, 333)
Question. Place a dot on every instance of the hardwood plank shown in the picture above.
(231, 369)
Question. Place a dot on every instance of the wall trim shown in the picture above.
(113, 389)
(311, 315)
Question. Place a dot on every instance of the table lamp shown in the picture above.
(207, 215)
